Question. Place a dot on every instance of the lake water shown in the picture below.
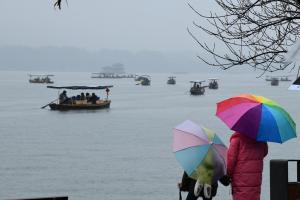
(124, 152)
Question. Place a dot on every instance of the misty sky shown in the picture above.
(98, 24)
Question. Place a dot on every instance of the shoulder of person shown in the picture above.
(235, 136)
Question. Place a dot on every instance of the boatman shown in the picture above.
(63, 98)
(107, 92)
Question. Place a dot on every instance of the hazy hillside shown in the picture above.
(75, 59)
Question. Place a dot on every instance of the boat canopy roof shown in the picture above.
(81, 87)
(278, 76)
(213, 79)
(197, 81)
(40, 75)
(172, 77)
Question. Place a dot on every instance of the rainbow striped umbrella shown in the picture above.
(257, 117)
(200, 152)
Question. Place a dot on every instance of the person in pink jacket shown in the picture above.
(245, 165)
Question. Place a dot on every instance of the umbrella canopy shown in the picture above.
(200, 152)
(257, 117)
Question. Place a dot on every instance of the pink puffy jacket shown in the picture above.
(245, 165)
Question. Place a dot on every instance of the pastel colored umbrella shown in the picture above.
(257, 117)
(200, 152)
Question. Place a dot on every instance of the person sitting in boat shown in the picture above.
(73, 99)
(63, 98)
(87, 96)
(93, 98)
(78, 97)
(82, 96)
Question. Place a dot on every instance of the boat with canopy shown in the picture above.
(197, 88)
(171, 80)
(79, 102)
(45, 78)
(213, 83)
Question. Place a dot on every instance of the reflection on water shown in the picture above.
(120, 153)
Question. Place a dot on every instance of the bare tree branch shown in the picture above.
(257, 33)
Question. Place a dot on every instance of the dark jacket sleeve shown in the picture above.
(187, 183)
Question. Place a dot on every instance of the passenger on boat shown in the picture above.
(93, 98)
(73, 99)
(82, 97)
(63, 98)
(87, 96)
(78, 97)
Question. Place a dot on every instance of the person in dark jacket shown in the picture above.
(63, 98)
(188, 185)
(93, 98)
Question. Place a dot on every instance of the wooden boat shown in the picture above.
(40, 78)
(171, 80)
(197, 88)
(83, 104)
(213, 84)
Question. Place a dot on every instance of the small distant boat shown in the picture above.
(143, 80)
(74, 104)
(41, 78)
(213, 84)
(197, 88)
(171, 80)
(275, 81)
(285, 78)
(280, 78)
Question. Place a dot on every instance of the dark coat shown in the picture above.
(188, 184)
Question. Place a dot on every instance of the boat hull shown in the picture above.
(213, 86)
(197, 91)
(43, 82)
(103, 105)
(275, 82)
(171, 82)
